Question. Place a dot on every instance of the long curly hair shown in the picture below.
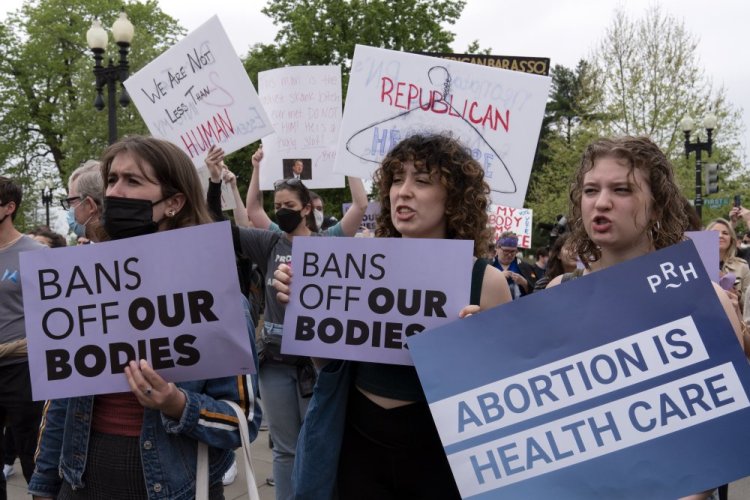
(641, 153)
(467, 193)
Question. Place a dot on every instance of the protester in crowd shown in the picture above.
(625, 203)
(743, 248)
(491, 251)
(541, 258)
(519, 274)
(728, 260)
(18, 412)
(562, 259)
(286, 381)
(322, 221)
(369, 433)
(48, 237)
(90, 204)
(142, 444)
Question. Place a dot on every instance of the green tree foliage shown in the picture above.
(651, 77)
(47, 118)
(324, 32)
(569, 124)
(642, 79)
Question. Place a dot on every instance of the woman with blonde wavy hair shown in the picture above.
(728, 260)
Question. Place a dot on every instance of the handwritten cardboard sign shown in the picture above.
(518, 220)
(625, 383)
(304, 104)
(197, 94)
(364, 298)
(90, 309)
(495, 113)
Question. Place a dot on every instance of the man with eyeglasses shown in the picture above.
(17, 410)
(519, 274)
(84, 201)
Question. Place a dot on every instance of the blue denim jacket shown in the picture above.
(319, 443)
(168, 447)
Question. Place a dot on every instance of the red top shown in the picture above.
(120, 414)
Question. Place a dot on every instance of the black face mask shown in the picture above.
(288, 219)
(126, 217)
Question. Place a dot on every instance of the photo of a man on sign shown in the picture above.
(298, 169)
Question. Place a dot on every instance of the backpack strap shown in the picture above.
(477, 277)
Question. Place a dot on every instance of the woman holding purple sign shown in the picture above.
(142, 444)
(369, 433)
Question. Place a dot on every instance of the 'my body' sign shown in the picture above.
(89, 310)
(626, 383)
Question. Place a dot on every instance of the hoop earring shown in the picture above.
(653, 232)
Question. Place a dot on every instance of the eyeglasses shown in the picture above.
(67, 202)
(287, 182)
(508, 251)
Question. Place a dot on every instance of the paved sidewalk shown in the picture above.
(261, 455)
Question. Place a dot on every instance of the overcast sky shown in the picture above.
(563, 30)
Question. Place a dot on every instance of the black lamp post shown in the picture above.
(96, 37)
(47, 200)
(697, 147)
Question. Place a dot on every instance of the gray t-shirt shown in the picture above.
(269, 248)
(11, 299)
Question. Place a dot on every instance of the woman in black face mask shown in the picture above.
(142, 444)
(286, 381)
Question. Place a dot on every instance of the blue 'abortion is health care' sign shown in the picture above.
(626, 383)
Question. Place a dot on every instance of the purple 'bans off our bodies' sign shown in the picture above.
(171, 298)
(362, 298)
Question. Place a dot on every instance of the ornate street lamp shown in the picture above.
(96, 37)
(47, 200)
(697, 147)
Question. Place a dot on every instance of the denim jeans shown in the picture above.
(285, 409)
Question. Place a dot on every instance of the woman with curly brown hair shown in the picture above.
(368, 432)
(625, 203)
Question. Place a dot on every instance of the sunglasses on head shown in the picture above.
(287, 182)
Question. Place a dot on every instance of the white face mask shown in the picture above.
(744, 246)
(318, 218)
